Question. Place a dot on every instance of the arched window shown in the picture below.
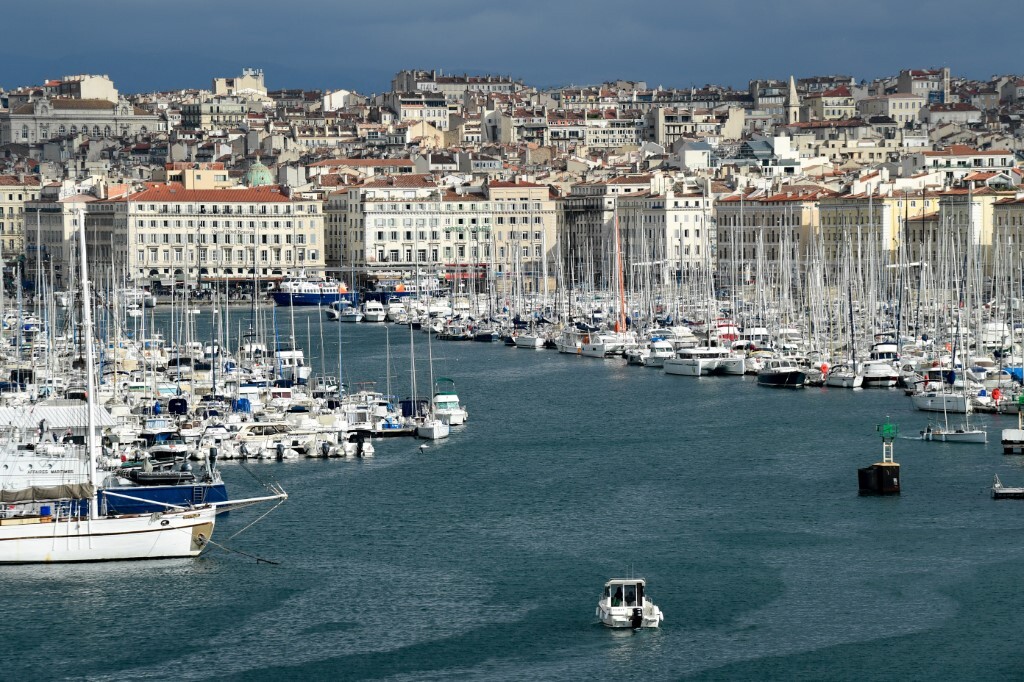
(96, 131)
(143, 130)
(74, 130)
(62, 130)
(106, 131)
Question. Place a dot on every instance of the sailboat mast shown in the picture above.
(620, 323)
(90, 437)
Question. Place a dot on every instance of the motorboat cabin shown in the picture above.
(625, 604)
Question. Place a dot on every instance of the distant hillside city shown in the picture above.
(483, 179)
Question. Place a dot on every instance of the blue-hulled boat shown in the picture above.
(303, 291)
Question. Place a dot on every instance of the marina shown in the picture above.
(473, 376)
(761, 549)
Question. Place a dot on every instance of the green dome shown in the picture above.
(258, 175)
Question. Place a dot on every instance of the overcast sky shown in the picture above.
(329, 44)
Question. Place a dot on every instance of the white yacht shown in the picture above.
(603, 345)
(446, 403)
(704, 361)
(624, 604)
(373, 311)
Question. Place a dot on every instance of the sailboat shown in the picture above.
(74, 530)
(433, 426)
(847, 376)
(960, 434)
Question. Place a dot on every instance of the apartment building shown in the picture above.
(957, 161)
(766, 228)
(666, 234)
(586, 227)
(865, 224)
(452, 86)
(390, 226)
(215, 113)
(414, 107)
(830, 105)
(932, 84)
(524, 216)
(903, 108)
(249, 84)
(167, 233)
(55, 220)
(15, 191)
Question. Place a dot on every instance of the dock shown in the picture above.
(1001, 492)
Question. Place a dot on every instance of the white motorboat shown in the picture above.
(446, 403)
(347, 313)
(395, 309)
(373, 311)
(1012, 440)
(879, 374)
(570, 340)
(606, 344)
(659, 351)
(705, 361)
(624, 604)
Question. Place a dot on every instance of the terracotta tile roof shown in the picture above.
(504, 183)
(69, 103)
(13, 181)
(174, 192)
(409, 181)
(964, 150)
(363, 163)
(957, 106)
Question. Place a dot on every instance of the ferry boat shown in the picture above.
(304, 291)
(624, 604)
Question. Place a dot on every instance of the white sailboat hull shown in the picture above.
(956, 436)
(844, 380)
(934, 401)
(433, 429)
(530, 342)
(153, 536)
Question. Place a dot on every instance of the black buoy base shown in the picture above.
(882, 478)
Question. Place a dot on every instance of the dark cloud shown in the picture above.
(144, 44)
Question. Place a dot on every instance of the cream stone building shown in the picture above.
(773, 229)
(15, 191)
(904, 108)
(166, 233)
(82, 87)
(586, 227)
(249, 85)
(46, 118)
(667, 234)
(215, 113)
(392, 225)
(53, 237)
(876, 223)
(831, 105)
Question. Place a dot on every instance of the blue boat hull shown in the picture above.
(323, 299)
(180, 495)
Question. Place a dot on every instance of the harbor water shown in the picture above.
(482, 556)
